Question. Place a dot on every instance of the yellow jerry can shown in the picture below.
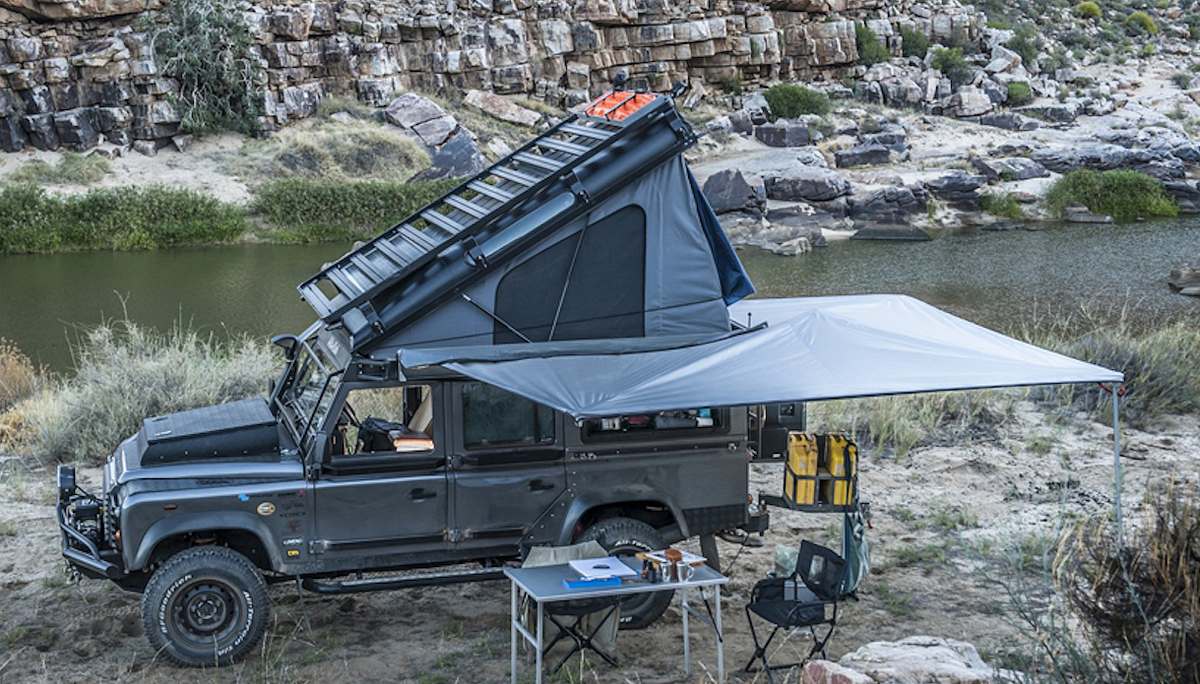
(799, 480)
(842, 457)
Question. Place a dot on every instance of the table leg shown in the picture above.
(720, 639)
(687, 655)
(512, 635)
(538, 677)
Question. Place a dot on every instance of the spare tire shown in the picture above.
(628, 536)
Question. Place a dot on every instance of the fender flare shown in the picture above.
(200, 522)
(630, 492)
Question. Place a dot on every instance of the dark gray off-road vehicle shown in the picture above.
(359, 470)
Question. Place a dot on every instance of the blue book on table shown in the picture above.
(597, 583)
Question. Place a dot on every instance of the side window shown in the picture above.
(662, 425)
(493, 417)
(386, 420)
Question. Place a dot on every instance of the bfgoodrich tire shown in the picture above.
(627, 536)
(205, 606)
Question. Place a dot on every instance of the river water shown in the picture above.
(992, 278)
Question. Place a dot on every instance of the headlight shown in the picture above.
(66, 483)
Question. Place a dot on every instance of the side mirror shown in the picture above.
(287, 343)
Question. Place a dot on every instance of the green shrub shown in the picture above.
(72, 169)
(914, 42)
(208, 48)
(1026, 42)
(113, 218)
(1088, 10)
(1019, 94)
(1139, 22)
(124, 373)
(1182, 80)
(788, 101)
(1149, 50)
(950, 61)
(304, 210)
(1003, 205)
(1123, 195)
(870, 49)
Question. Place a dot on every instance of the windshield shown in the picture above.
(308, 391)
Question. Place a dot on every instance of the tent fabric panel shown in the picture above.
(735, 282)
(837, 347)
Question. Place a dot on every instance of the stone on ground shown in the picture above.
(729, 190)
(922, 659)
(807, 183)
(502, 108)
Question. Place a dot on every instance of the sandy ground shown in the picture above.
(931, 575)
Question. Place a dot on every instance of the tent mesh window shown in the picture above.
(600, 283)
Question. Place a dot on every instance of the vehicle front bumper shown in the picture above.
(81, 552)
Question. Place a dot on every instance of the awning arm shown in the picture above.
(1116, 392)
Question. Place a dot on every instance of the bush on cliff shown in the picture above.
(1123, 195)
(914, 42)
(304, 210)
(870, 50)
(788, 101)
(1141, 23)
(113, 218)
(334, 150)
(1026, 42)
(953, 65)
(1019, 94)
(208, 48)
(1088, 10)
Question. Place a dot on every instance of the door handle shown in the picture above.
(422, 494)
(540, 485)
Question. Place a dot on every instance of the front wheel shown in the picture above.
(627, 536)
(206, 606)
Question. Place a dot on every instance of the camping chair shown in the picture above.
(796, 601)
(590, 624)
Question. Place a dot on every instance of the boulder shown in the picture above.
(888, 205)
(729, 191)
(1003, 60)
(968, 101)
(76, 130)
(41, 131)
(1081, 214)
(1010, 121)
(922, 659)
(12, 136)
(57, 10)
(811, 156)
(1186, 195)
(1057, 113)
(458, 156)
(807, 183)
(957, 187)
(1009, 168)
(1185, 280)
(411, 109)
(502, 108)
(892, 136)
(784, 133)
(826, 672)
(862, 155)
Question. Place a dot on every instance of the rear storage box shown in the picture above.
(820, 474)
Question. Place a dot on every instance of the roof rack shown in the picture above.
(475, 206)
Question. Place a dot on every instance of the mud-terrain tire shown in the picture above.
(205, 606)
(626, 536)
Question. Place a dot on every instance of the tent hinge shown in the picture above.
(577, 188)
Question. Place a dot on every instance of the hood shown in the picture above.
(240, 431)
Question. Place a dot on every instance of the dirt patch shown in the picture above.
(949, 521)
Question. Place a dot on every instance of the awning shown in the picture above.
(810, 349)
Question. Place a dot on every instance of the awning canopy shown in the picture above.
(810, 349)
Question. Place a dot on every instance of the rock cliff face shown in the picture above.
(73, 72)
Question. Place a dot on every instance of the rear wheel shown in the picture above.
(629, 536)
(205, 606)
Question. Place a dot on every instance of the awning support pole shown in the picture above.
(1117, 471)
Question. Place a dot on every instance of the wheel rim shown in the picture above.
(206, 612)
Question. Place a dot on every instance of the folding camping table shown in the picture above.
(544, 585)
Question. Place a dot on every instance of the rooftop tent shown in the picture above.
(594, 229)
(810, 349)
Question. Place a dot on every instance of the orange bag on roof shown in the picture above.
(619, 104)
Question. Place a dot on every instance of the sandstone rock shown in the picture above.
(458, 156)
(784, 133)
(958, 188)
(501, 108)
(1011, 121)
(99, 53)
(968, 101)
(862, 155)
(921, 659)
(12, 136)
(826, 43)
(826, 672)
(410, 109)
(807, 183)
(888, 205)
(729, 191)
(24, 49)
(811, 156)
(1080, 214)
(75, 129)
(41, 131)
(56, 10)
(146, 148)
(1053, 113)
(1003, 60)
(181, 143)
(1185, 280)
(1009, 168)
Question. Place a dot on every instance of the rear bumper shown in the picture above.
(80, 551)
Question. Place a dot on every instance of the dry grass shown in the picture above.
(125, 373)
(18, 376)
(327, 149)
(72, 168)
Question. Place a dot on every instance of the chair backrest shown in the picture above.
(821, 570)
